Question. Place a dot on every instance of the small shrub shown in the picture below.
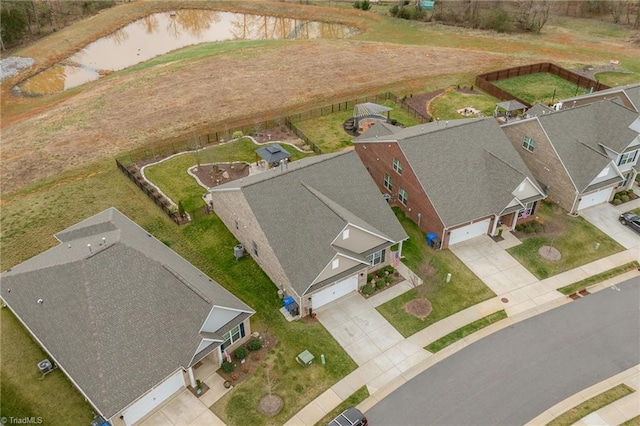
(394, 121)
(365, 5)
(228, 367)
(388, 279)
(367, 289)
(617, 201)
(237, 134)
(357, 5)
(380, 273)
(380, 284)
(254, 345)
(624, 198)
(629, 191)
(234, 376)
(241, 352)
(390, 269)
(369, 278)
(245, 369)
(299, 388)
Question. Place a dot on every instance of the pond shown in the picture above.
(161, 33)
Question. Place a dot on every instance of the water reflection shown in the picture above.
(160, 33)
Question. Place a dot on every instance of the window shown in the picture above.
(403, 196)
(345, 234)
(388, 183)
(335, 263)
(528, 210)
(628, 157)
(624, 183)
(528, 143)
(255, 248)
(376, 258)
(397, 166)
(233, 335)
(604, 172)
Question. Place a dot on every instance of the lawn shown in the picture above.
(327, 131)
(172, 177)
(464, 290)
(597, 402)
(31, 217)
(25, 393)
(462, 332)
(595, 279)
(445, 106)
(577, 240)
(613, 79)
(543, 87)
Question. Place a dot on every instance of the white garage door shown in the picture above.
(594, 198)
(469, 231)
(153, 398)
(335, 291)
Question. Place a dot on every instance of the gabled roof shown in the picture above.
(511, 105)
(384, 132)
(369, 108)
(630, 91)
(120, 316)
(579, 135)
(273, 153)
(302, 209)
(468, 168)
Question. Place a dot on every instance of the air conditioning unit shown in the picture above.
(45, 367)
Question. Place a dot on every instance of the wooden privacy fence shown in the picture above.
(483, 81)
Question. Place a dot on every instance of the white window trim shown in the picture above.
(397, 166)
(403, 194)
(388, 182)
(375, 258)
(627, 158)
(528, 143)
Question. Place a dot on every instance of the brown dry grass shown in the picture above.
(43, 136)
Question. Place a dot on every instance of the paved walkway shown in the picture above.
(386, 360)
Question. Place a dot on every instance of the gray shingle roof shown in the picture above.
(468, 170)
(119, 318)
(304, 208)
(579, 134)
(631, 91)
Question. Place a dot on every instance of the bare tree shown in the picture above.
(532, 15)
(617, 8)
(271, 382)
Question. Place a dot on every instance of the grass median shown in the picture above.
(462, 332)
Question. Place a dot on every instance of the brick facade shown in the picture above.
(378, 159)
(543, 162)
(232, 208)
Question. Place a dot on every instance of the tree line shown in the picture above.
(23, 20)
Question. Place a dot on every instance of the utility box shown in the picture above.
(238, 251)
(433, 240)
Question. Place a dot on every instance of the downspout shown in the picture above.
(574, 208)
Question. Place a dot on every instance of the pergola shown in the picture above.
(273, 154)
(508, 107)
(371, 110)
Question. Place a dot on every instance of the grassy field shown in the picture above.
(32, 216)
(597, 402)
(81, 186)
(25, 393)
(445, 106)
(172, 177)
(575, 240)
(613, 79)
(327, 131)
(542, 88)
(595, 279)
(464, 290)
(462, 332)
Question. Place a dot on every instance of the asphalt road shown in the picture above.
(512, 376)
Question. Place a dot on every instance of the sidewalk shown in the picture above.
(383, 377)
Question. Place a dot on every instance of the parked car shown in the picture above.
(631, 220)
(350, 417)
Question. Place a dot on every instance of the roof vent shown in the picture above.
(40, 301)
(90, 250)
(104, 241)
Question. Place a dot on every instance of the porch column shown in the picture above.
(400, 249)
(192, 379)
(495, 225)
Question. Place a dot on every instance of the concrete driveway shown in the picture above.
(605, 217)
(358, 327)
(493, 265)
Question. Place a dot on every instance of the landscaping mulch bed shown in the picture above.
(252, 362)
(420, 101)
(395, 281)
(275, 134)
(420, 308)
(226, 173)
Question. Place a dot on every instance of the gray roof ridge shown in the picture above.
(504, 162)
(342, 212)
(186, 283)
(460, 122)
(591, 148)
(313, 160)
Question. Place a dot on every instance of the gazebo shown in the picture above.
(272, 154)
(365, 115)
(508, 107)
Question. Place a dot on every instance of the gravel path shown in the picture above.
(12, 65)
